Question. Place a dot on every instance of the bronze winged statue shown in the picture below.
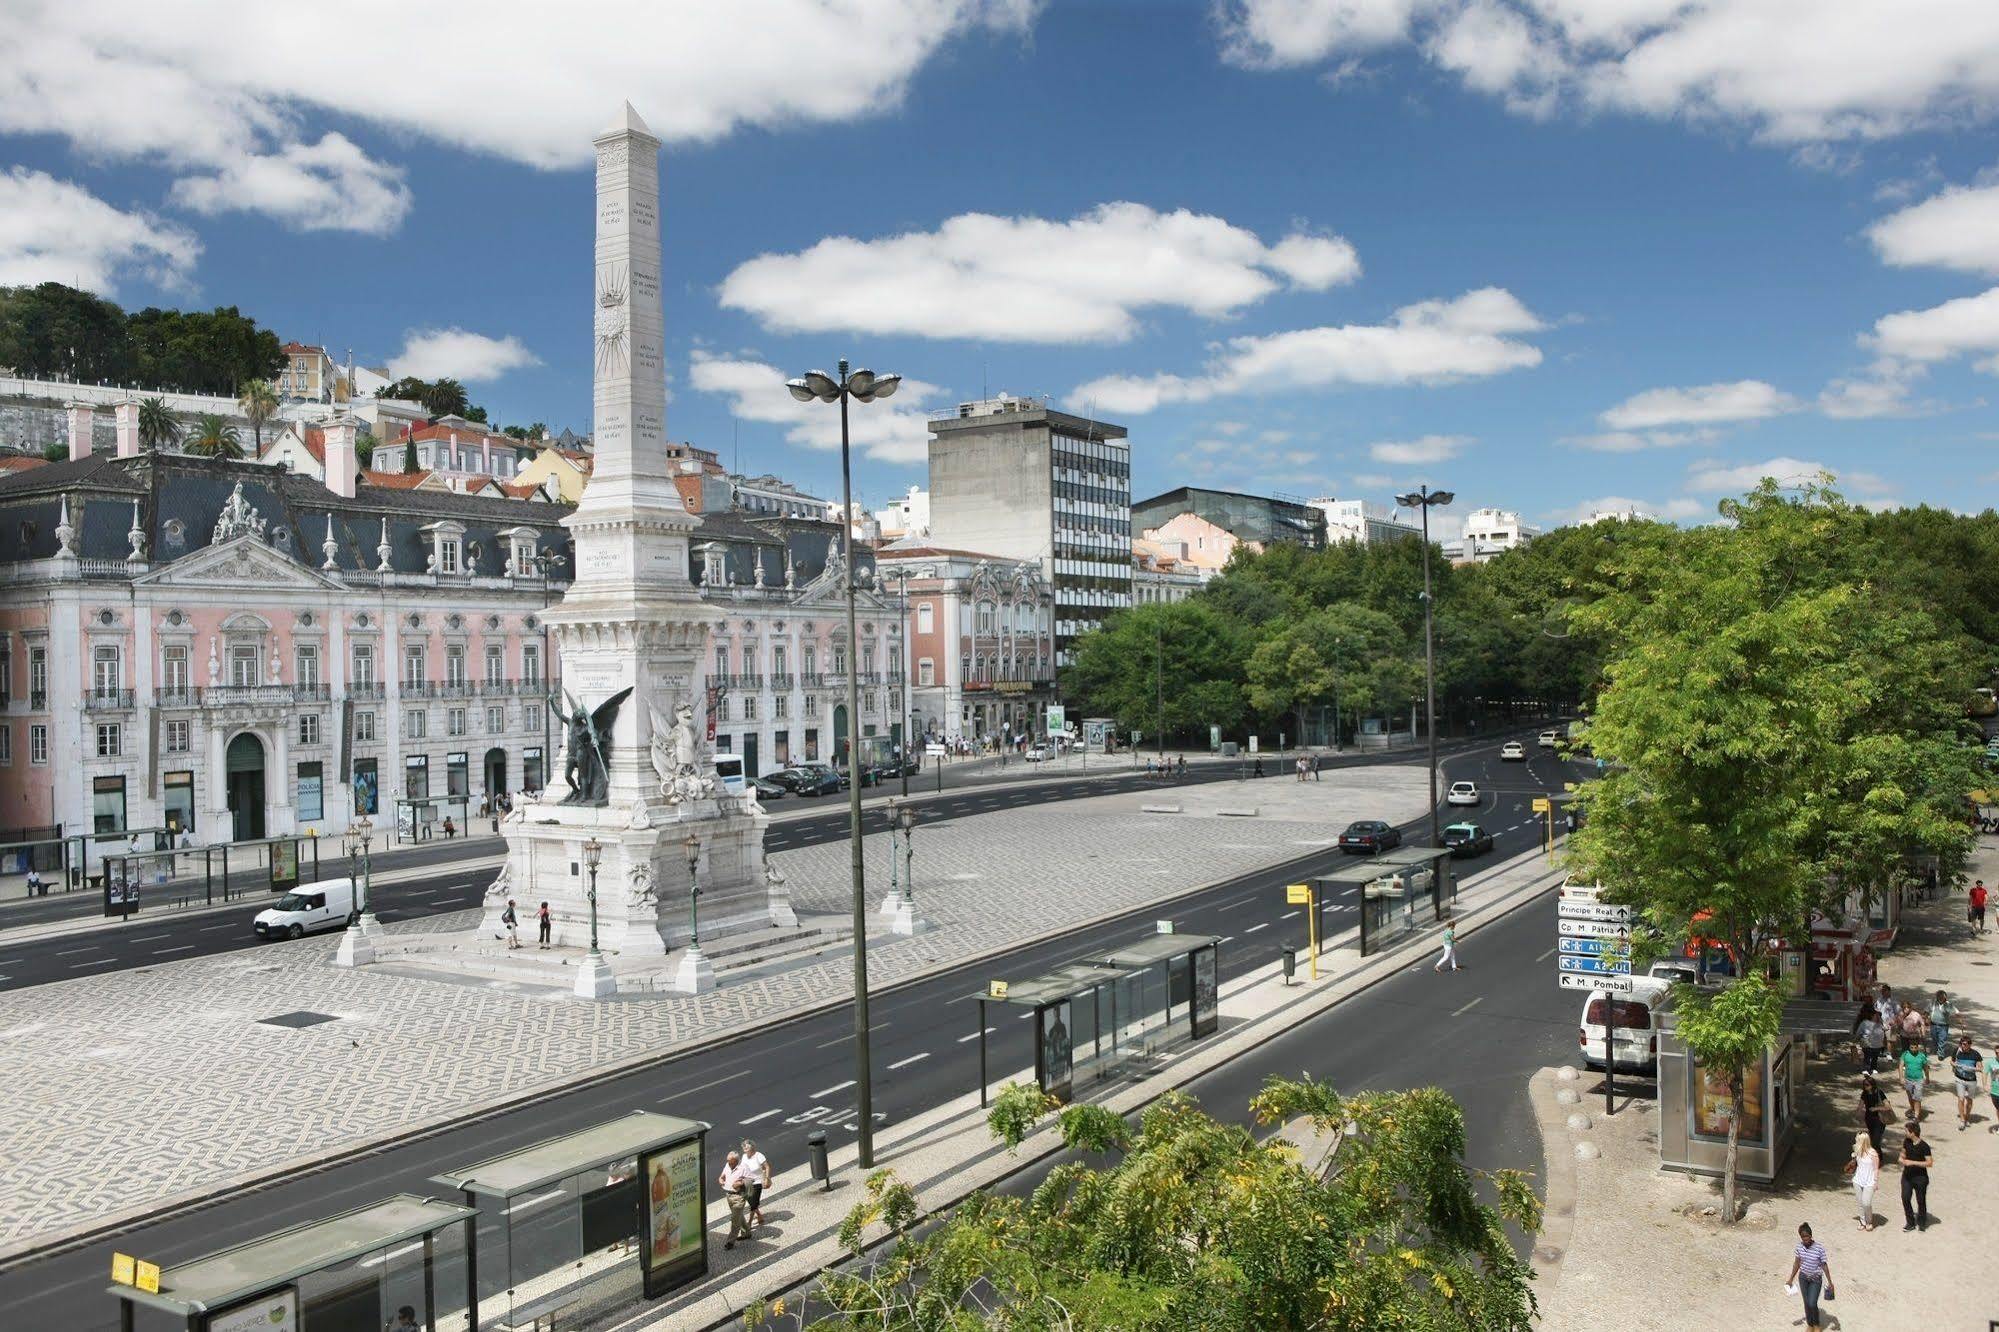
(587, 764)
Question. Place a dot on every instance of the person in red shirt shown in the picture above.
(1978, 906)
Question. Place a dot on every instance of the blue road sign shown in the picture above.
(1601, 966)
(1594, 947)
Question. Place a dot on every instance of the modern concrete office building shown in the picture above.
(1014, 479)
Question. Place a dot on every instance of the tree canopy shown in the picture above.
(439, 397)
(53, 329)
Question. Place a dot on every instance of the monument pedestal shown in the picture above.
(355, 948)
(898, 916)
(695, 975)
(594, 979)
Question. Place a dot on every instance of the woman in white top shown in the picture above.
(1865, 1167)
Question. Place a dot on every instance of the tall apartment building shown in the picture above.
(1015, 479)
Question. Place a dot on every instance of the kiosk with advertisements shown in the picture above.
(349, 1273)
(573, 1227)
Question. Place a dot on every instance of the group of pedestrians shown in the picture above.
(1308, 768)
(745, 1175)
(544, 921)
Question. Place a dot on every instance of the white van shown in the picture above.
(1635, 1021)
(326, 905)
(729, 773)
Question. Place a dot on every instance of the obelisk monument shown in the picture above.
(633, 631)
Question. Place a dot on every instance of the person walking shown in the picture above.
(544, 924)
(1182, 766)
(1915, 1029)
(1915, 1077)
(1865, 1169)
(1811, 1272)
(512, 921)
(1916, 1158)
(1976, 911)
(1943, 1013)
(756, 1178)
(1964, 1065)
(1450, 956)
(1889, 1007)
(1992, 1087)
(1872, 1038)
(1873, 1109)
(731, 1180)
(1318, 768)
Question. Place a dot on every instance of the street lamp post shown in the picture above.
(862, 386)
(901, 577)
(357, 946)
(695, 974)
(594, 980)
(906, 816)
(1424, 499)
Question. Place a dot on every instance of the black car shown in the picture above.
(1467, 839)
(769, 788)
(1368, 836)
(808, 781)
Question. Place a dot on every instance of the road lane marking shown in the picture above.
(1545, 956)
(1288, 915)
(1254, 928)
(837, 1087)
(100, 962)
(72, 952)
(961, 1040)
(689, 1091)
(1226, 938)
(913, 1059)
(210, 929)
(765, 1115)
(181, 948)
(148, 938)
(1468, 1007)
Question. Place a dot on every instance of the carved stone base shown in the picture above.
(355, 948)
(898, 916)
(694, 975)
(594, 979)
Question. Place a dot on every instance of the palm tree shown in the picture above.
(259, 402)
(215, 437)
(159, 428)
(446, 397)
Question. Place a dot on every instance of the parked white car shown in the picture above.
(1634, 1024)
(326, 905)
(1462, 793)
(1037, 754)
(1548, 738)
(1513, 752)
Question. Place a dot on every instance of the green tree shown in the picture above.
(1728, 1032)
(1177, 662)
(409, 453)
(364, 448)
(1197, 1225)
(55, 450)
(202, 351)
(159, 428)
(259, 402)
(1344, 654)
(214, 437)
(51, 329)
(442, 397)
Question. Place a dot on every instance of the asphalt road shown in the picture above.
(787, 1079)
(172, 937)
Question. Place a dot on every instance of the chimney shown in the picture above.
(128, 428)
(341, 462)
(82, 420)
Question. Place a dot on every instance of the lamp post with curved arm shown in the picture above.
(1423, 498)
(862, 386)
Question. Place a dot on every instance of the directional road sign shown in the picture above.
(1599, 966)
(1571, 980)
(1597, 929)
(1592, 911)
(1572, 945)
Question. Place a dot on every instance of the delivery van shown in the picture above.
(1630, 1019)
(326, 905)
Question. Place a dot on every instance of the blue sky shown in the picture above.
(1545, 252)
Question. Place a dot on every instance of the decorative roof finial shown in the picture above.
(330, 547)
(384, 550)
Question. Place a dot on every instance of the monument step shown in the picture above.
(731, 946)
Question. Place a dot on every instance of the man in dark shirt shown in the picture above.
(1872, 1103)
(1916, 1157)
(1964, 1069)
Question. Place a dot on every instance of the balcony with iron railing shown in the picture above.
(367, 691)
(175, 696)
(783, 681)
(237, 696)
(107, 700)
(38, 700)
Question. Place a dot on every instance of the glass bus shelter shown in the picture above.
(1398, 892)
(576, 1226)
(349, 1273)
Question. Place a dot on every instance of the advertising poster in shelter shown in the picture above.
(675, 1245)
(284, 866)
(1057, 1050)
(1207, 993)
(1709, 1103)
(275, 1312)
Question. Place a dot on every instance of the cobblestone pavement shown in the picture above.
(133, 1088)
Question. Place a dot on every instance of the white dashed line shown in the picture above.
(913, 1059)
(72, 952)
(837, 1087)
(765, 1115)
(1254, 928)
(975, 1035)
(182, 948)
(1545, 956)
(1468, 1007)
(148, 938)
(1288, 915)
(100, 962)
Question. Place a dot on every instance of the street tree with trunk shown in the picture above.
(214, 437)
(1189, 1223)
(259, 403)
(1178, 663)
(1344, 654)
(159, 428)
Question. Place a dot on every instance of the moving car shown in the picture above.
(1513, 752)
(1547, 739)
(1633, 1021)
(1467, 839)
(326, 905)
(768, 789)
(1368, 836)
(812, 780)
(1462, 793)
(1037, 754)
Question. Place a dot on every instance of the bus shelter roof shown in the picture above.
(558, 1158)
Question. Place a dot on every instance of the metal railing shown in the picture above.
(107, 700)
(783, 680)
(174, 696)
(224, 696)
(367, 691)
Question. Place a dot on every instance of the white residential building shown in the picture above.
(908, 516)
(1487, 533)
(1363, 521)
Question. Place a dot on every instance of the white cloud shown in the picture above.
(1029, 279)
(1427, 449)
(205, 93)
(326, 186)
(1710, 477)
(56, 231)
(1967, 326)
(1372, 480)
(1431, 342)
(1958, 228)
(895, 430)
(1703, 404)
(1634, 441)
(453, 353)
(1881, 390)
(1792, 71)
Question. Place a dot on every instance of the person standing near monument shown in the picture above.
(512, 921)
(545, 921)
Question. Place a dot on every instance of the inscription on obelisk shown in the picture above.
(630, 367)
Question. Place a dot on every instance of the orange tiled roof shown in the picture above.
(397, 480)
(21, 462)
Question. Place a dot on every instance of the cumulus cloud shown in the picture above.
(1882, 389)
(453, 353)
(129, 81)
(1703, 404)
(1472, 336)
(56, 231)
(1791, 71)
(1030, 279)
(1427, 449)
(1958, 228)
(1634, 441)
(1967, 326)
(326, 186)
(1710, 477)
(895, 430)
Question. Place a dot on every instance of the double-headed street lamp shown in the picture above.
(901, 576)
(861, 386)
(356, 946)
(594, 979)
(1424, 499)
